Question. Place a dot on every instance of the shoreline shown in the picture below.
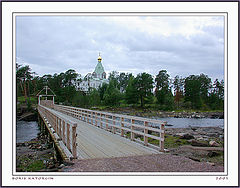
(147, 112)
(37, 155)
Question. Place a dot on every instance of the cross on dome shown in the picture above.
(99, 57)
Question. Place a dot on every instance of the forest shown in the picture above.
(160, 92)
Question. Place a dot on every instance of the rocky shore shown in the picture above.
(37, 155)
(163, 114)
(202, 144)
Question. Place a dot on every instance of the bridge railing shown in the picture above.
(137, 128)
(62, 129)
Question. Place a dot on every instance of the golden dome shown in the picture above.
(99, 57)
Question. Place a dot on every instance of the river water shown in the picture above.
(26, 131)
(193, 122)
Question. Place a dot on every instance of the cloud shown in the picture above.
(182, 45)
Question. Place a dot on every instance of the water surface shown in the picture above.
(193, 122)
(26, 131)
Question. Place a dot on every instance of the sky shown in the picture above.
(182, 45)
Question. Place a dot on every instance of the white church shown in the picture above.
(93, 80)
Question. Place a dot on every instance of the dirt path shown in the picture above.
(145, 163)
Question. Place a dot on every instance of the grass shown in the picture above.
(35, 166)
(30, 165)
(173, 142)
(32, 99)
(219, 159)
(169, 141)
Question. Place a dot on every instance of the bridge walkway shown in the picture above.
(94, 142)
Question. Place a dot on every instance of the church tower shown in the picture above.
(94, 80)
(99, 72)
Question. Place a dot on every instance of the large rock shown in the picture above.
(194, 158)
(187, 137)
(214, 143)
(199, 144)
(212, 154)
(212, 164)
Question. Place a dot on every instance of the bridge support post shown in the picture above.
(64, 141)
(145, 133)
(106, 122)
(161, 141)
(95, 116)
(113, 128)
(122, 125)
(92, 118)
(68, 136)
(74, 144)
(57, 125)
(60, 128)
(132, 128)
(87, 116)
(101, 121)
(81, 115)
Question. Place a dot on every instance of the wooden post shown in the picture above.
(87, 116)
(92, 118)
(95, 118)
(101, 121)
(114, 128)
(68, 136)
(161, 143)
(56, 125)
(122, 125)
(60, 128)
(145, 133)
(39, 100)
(84, 115)
(74, 144)
(132, 128)
(106, 122)
(64, 141)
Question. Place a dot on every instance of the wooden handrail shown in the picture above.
(65, 129)
(110, 122)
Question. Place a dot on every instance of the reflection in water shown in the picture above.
(26, 131)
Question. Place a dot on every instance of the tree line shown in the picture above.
(124, 89)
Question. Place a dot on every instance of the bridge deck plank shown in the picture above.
(94, 142)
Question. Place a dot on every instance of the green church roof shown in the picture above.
(99, 68)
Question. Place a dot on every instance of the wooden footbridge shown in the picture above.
(85, 134)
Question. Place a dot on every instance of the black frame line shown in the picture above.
(124, 1)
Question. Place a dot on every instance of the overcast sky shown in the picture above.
(182, 45)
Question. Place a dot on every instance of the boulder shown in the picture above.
(194, 159)
(166, 150)
(212, 164)
(61, 166)
(198, 143)
(212, 154)
(214, 143)
(179, 134)
(187, 136)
